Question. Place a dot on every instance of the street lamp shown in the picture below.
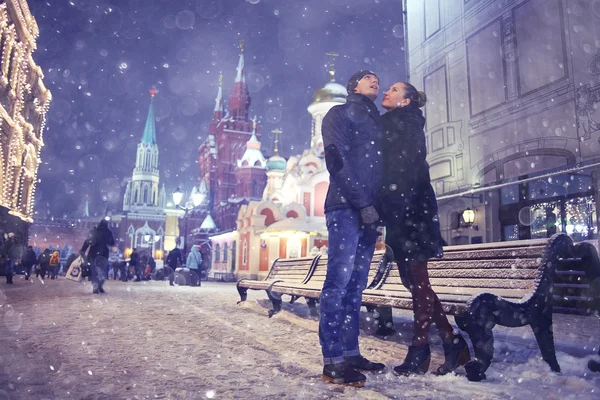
(197, 199)
(468, 216)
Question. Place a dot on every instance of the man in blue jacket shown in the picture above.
(352, 138)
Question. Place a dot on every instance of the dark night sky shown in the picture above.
(101, 58)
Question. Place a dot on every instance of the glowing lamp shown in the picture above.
(177, 197)
(468, 216)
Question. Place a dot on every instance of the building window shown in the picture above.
(541, 61)
(435, 86)
(486, 69)
(225, 251)
(233, 255)
(432, 17)
(218, 253)
(254, 188)
(245, 253)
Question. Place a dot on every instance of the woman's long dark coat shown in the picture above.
(407, 197)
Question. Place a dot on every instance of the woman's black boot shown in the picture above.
(416, 362)
(456, 353)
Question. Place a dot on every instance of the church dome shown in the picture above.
(276, 162)
(332, 91)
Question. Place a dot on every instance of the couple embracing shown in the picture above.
(379, 173)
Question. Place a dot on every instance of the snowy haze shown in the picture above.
(101, 58)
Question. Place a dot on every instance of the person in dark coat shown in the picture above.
(11, 252)
(134, 261)
(97, 243)
(44, 263)
(352, 141)
(410, 214)
(174, 261)
(28, 260)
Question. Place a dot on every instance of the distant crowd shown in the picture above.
(103, 260)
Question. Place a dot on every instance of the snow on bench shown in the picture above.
(510, 284)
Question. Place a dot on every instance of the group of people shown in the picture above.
(96, 250)
(379, 176)
(12, 253)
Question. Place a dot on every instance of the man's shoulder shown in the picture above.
(336, 110)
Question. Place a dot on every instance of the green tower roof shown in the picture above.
(149, 136)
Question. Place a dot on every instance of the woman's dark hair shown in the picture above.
(417, 99)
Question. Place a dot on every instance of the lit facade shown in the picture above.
(513, 88)
(289, 220)
(24, 102)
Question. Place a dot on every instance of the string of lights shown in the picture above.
(24, 103)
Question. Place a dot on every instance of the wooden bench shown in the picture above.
(510, 284)
(310, 289)
(290, 270)
(302, 277)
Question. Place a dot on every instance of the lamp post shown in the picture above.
(197, 199)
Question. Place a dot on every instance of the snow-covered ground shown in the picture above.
(150, 341)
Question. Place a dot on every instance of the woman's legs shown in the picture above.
(426, 306)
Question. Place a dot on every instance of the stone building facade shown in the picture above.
(512, 123)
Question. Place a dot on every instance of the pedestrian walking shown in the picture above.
(194, 263)
(413, 233)
(43, 263)
(97, 243)
(352, 139)
(134, 261)
(11, 252)
(28, 261)
(54, 265)
(174, 261)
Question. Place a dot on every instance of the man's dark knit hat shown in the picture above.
(357, 76)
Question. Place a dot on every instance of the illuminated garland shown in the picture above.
(23, 91)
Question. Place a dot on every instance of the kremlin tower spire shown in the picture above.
(219, 110)
(239, 100)
(143, 190)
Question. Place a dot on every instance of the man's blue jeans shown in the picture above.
(350, 251)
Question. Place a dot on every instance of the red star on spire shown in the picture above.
(152, 92)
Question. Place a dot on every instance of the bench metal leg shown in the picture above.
(242, 291)
(542, 329)
(385, 324)
(312, 307)
(479, 323)
(293, 299)
(276, 301)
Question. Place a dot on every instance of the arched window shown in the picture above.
(245, 253)
(218, 253)
(233, 254)
(225, 251)
(145, 194)
(254, 188)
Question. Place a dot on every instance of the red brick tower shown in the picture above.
(226, 144)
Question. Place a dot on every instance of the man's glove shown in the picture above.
(369, 215)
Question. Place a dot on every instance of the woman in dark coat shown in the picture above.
(412, 227)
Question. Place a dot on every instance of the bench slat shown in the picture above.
(511, 253)
(527, 263)
(482, 283)
(469, 292)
